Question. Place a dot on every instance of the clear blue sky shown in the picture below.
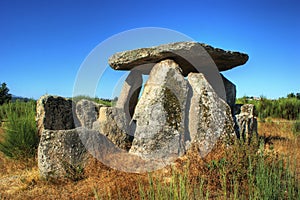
(44, 42)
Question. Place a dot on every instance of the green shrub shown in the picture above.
(285, 108)
(106, 102)
(20, 139)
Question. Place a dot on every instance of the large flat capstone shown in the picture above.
(190, 56)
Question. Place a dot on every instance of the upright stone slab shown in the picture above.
(130, 92)
(87, 113)
(247, 122)
(160, 114)
(54, 113)
(115, 125)
(210, 117)
(60, 153)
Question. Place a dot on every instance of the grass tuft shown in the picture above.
(20, 139)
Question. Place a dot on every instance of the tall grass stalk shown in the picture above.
(245, 172)
(20, 139)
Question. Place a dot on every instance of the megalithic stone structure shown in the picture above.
(173, 115)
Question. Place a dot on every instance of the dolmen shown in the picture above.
(185, 104)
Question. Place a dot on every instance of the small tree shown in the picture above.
(4, 95)
(291, 95)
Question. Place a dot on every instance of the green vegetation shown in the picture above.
(239, 171)
(284, 108)
(20, 139)
(243, 173)
(106, 102)
(5, 97)
(296, 127)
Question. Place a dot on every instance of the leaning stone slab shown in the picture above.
(210, 119)
(115, 125)
(230, 90)
(130, 92)
(160, 114)
(54, 113)
(189, 55)
(60, 153)
(87, 113)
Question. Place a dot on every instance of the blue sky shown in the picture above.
(43, 43)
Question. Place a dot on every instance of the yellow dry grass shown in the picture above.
(20, 179)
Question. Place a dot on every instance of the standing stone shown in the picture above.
(60, 154)
(114, 124)
(210, 117)
(54, 113)
(160, 114)
(230, 90)
(87, 112)
(130, 92)
(247, 122)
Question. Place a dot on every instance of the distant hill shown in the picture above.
(15, 98)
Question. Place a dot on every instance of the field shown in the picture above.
(19, 179)
(268, 168)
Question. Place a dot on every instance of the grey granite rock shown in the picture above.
(191, 56)
(60, 153)
(160, 114)
(87, 112)
(210, 119)
(130, 92)
(247, 122)
(115, 125)
(54, 113)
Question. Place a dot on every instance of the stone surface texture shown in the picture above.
(183, 53)
(54, 113)
(247, 122)
(130, 92)
(210, 118)
(60, 153)
(115, 125)
(230, 90)
(87, 112)
(160, 114)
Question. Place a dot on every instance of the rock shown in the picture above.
(187, 54)
(160, 114)
(54, 113)
(87, 112)
(114, 124)
(210, 119)
(130, 92)
(60, 154)
(230, 90)
(247, 122)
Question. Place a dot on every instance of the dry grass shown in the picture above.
(20, 179)
(279, 137)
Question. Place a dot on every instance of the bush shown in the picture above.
(20, 139)
(285, 108)
(106, 102)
